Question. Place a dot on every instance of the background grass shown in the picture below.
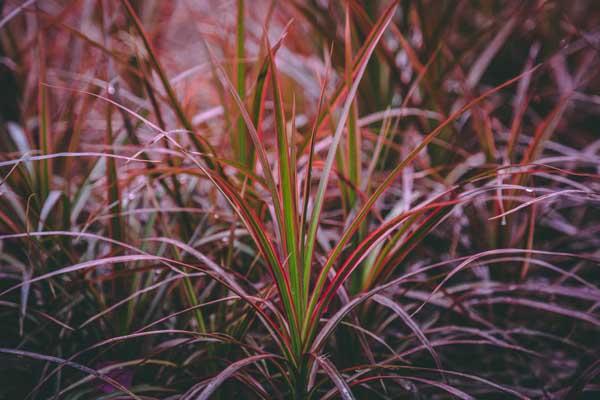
(300, 199)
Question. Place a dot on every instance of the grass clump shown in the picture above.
(306, 200)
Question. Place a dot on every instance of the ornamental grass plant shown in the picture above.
(302, 199)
